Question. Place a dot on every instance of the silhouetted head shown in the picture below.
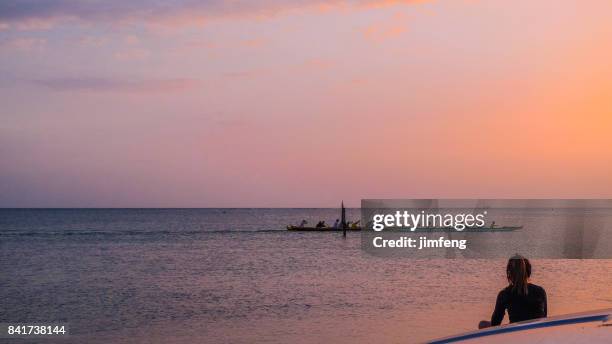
(518, 272)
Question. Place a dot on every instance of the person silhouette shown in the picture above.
(521, 299)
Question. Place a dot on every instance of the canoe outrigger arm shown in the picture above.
(596, 321)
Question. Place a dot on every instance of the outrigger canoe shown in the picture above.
(321, 229)
(396, 229)
(345, 227)
(423, 229)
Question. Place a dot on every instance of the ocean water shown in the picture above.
(236, 276)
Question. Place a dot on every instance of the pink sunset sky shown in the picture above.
(302, 103)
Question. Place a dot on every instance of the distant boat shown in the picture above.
(420, 229)
(321, 229)
(343, 227)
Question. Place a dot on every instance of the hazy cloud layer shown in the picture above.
(41, 14)
(93, 84)
(22, 44)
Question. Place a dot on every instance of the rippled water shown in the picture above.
(236, 276)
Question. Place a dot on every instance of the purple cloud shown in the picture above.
(25, 12)
(93, 84)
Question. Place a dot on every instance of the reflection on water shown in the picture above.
(223, 276)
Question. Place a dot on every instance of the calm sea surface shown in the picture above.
(236, 276)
